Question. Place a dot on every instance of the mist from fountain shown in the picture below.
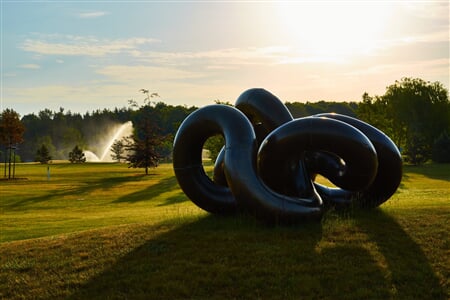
(91, 156)
(117, 133)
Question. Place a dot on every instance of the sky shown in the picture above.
(89, 55)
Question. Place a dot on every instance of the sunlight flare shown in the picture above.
(333, 32)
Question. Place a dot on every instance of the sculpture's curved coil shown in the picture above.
(270, 160)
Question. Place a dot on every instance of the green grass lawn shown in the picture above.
(99, 231)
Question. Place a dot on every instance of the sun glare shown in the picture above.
(329, 31)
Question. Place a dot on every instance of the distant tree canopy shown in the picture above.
(61, 131)
(300, 110)
(413, 113)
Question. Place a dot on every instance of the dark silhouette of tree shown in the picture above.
(43, 155)
(419, 110)
(118, 150)
(143, 145)
(413, 113)
(148, 96)
(372, 110)
(11, 134)
(77, 156)
(300, 110)
(133, 103)
(417, 151)
(441, 149)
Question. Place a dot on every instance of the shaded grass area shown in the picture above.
(86, 196)
(240, 260)
(398, 251)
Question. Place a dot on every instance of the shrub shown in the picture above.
(417, 151)
(441, 148)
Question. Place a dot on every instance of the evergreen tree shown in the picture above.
(77, 155)
(118, 150)
(43, 155)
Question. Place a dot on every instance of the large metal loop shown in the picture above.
(271, 172)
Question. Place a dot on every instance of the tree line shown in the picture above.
(414, 113)
(60, 135)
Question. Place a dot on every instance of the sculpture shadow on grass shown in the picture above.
(226, 258)
(153, 191)
(410, 271)
(83, 187)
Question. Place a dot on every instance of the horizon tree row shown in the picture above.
(60, 131)
(413, 112)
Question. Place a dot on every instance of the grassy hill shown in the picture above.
(97, 231)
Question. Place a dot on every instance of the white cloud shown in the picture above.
(9, 75)
(30, 66)
(435, 10)
(436, 67)
(133, 74)
(93, 14)
(53, 90)
(231, 58)
(81, 45)
(226, 58)
(73, 94)
(432, 37)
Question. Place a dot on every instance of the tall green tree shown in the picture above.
(373, 111)
(11, 134)
(413, 112)
(419, 106)
(143, 145)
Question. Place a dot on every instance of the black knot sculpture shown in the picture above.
(270, 160)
